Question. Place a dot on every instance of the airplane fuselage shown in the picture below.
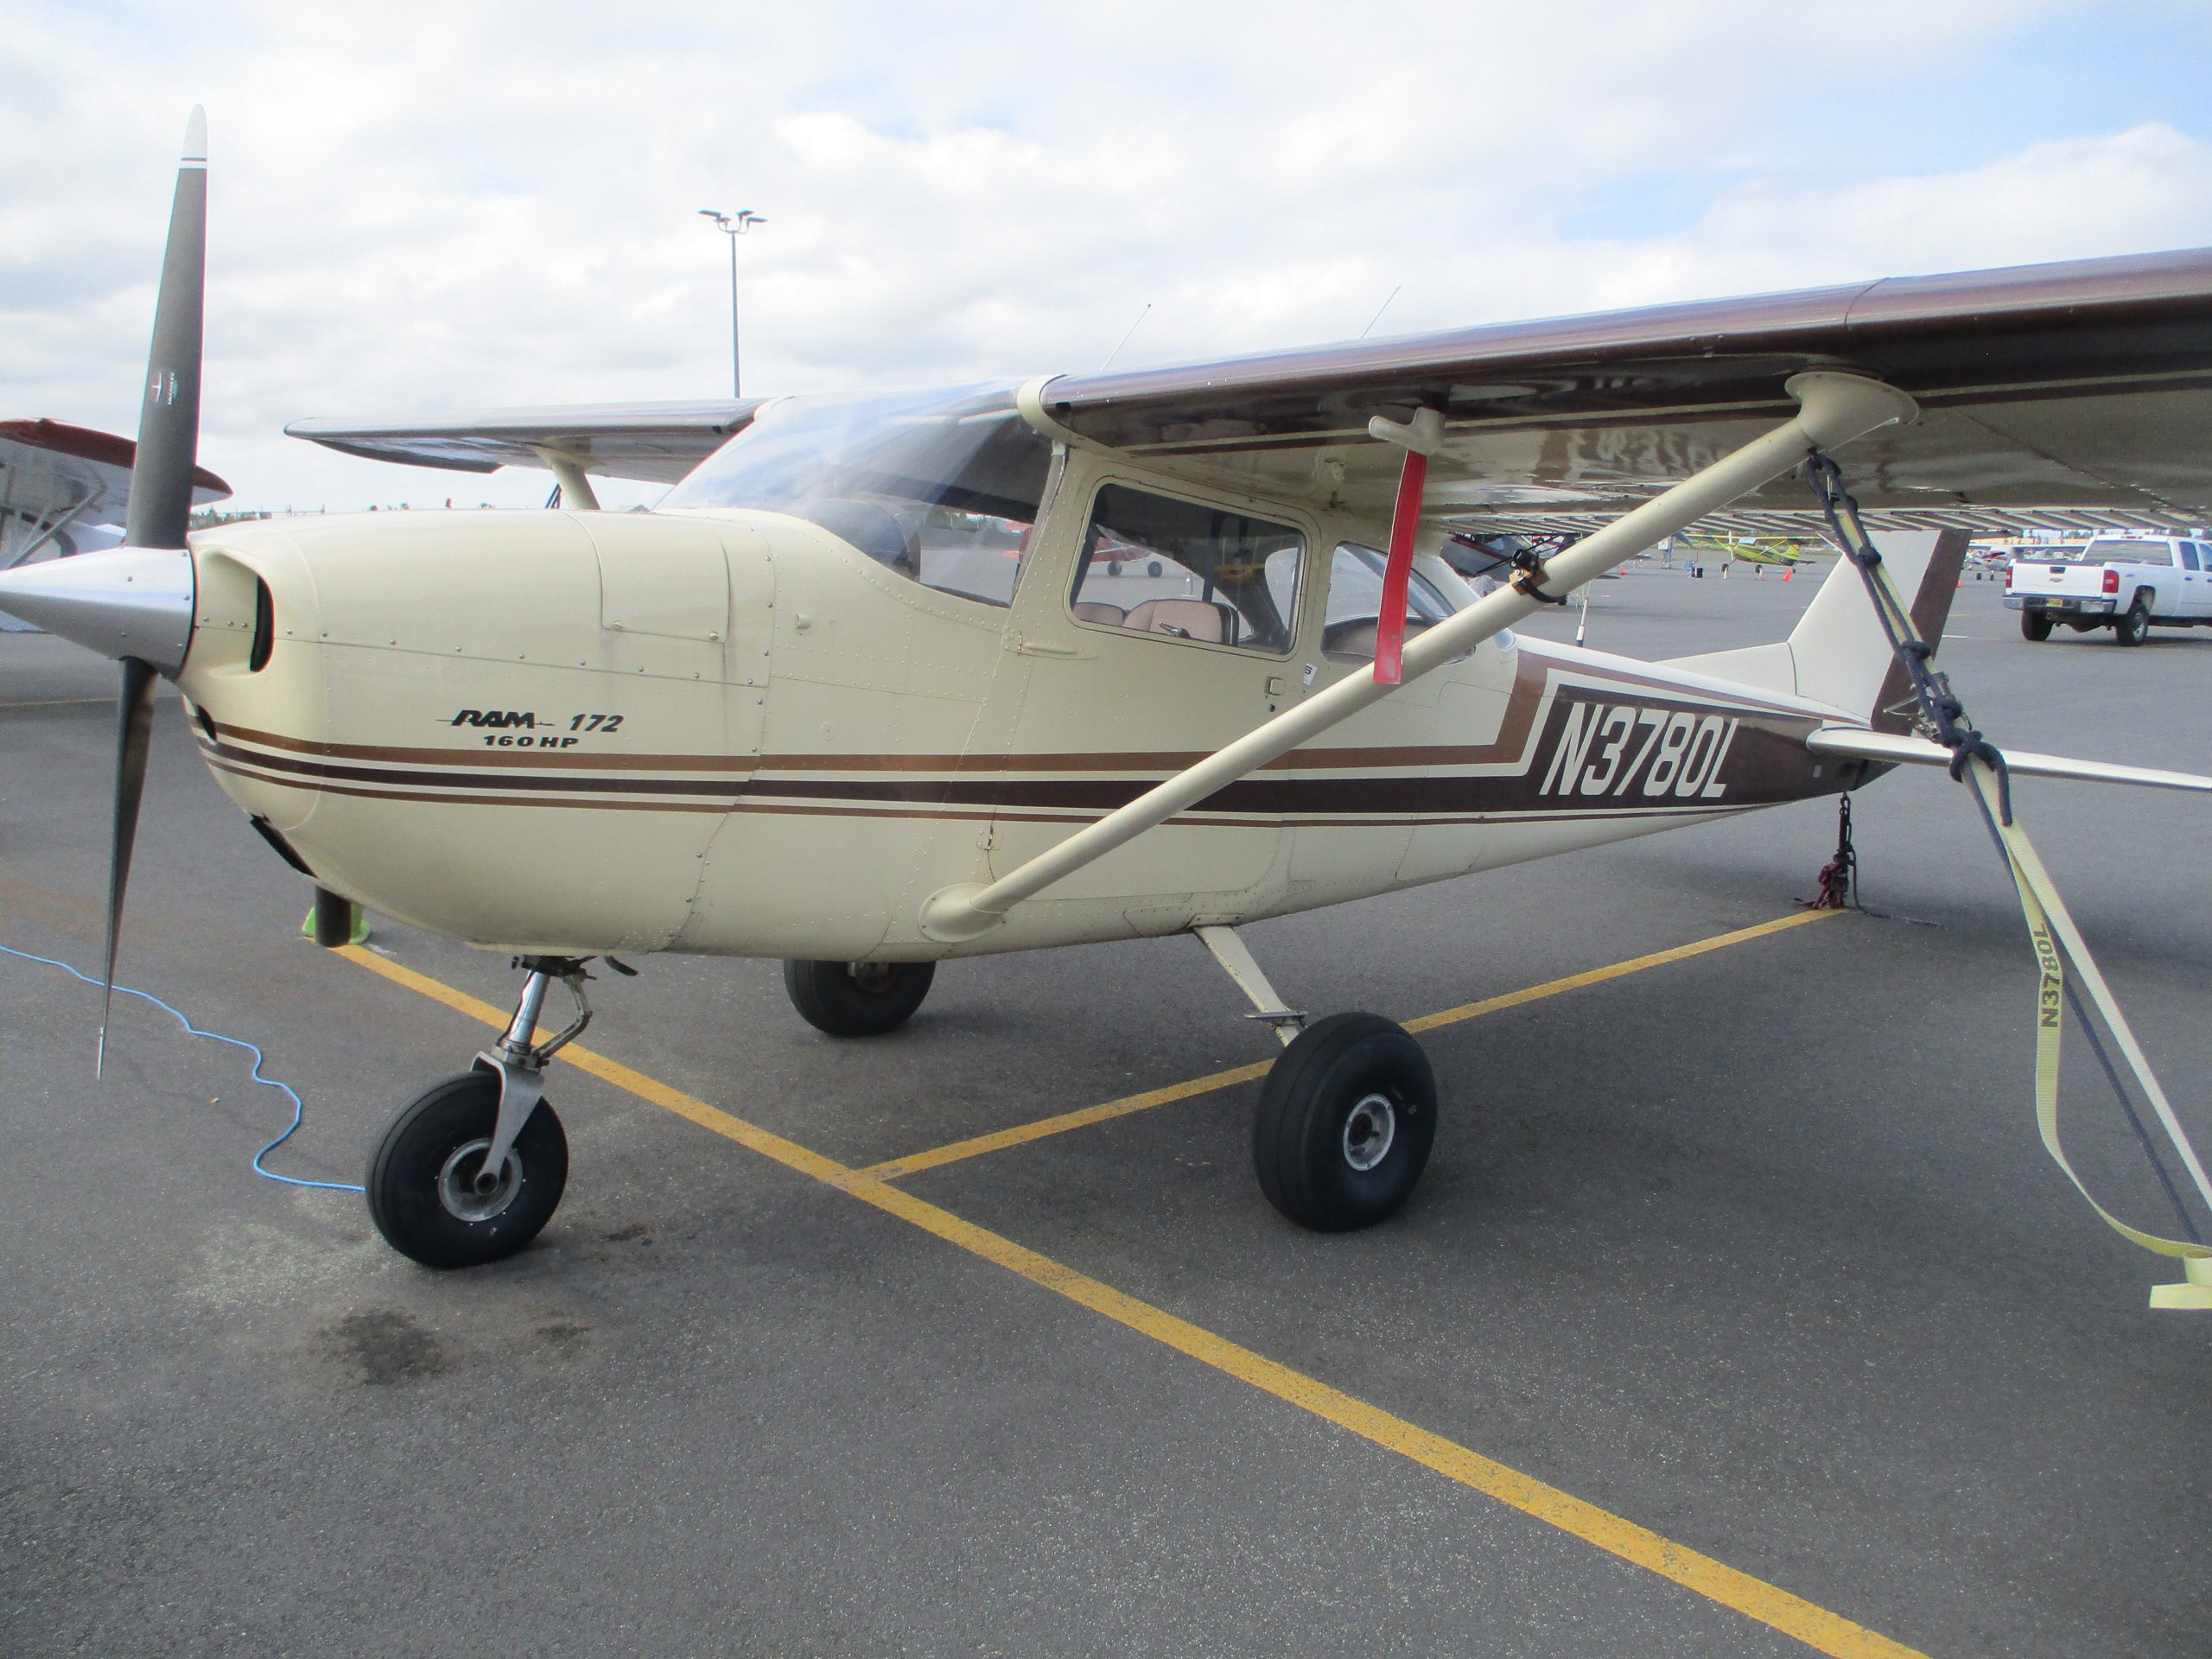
(733, 732)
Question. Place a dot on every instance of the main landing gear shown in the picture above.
(857, 999)
(474, 1166)
(1347, 1115)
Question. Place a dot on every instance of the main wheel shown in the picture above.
(2134, 627)
(1344, 1124)
(423, 1192)
(857, 999)
(2035, 626)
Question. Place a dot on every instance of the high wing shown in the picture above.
(2086, 384)
(656, 442)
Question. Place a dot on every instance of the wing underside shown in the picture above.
(2083, 385)
(654, 442)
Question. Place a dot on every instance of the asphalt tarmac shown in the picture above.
(1751, 1256)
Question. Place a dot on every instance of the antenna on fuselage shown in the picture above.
(1124, 339)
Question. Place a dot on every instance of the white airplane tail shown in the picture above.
(1837, 653)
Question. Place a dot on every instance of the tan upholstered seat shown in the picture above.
(1186, 618)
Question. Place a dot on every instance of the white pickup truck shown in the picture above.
(2124, 583)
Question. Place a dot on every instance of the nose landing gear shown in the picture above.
(474, 1166)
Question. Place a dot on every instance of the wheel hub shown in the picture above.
(460, 1188)
(875, 978)
(1370, 1129)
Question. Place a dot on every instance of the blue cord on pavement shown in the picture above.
(298, 1110)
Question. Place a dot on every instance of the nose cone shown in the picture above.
(128, 601)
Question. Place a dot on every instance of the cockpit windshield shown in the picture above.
(942, 486)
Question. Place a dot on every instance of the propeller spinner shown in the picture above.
(135, 602)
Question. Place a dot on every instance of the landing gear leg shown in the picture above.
(1347, 1115)
(473, 1168)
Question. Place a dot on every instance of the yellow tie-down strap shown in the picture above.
(2056, 938)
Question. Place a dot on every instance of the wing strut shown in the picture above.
(1833, 408)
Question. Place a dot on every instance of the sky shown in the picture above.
(418, 209)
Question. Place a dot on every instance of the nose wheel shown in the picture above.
(473, 1168)
(430, 1194)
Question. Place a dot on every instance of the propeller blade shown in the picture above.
(160, 511)
(133, 739)
(160, 508)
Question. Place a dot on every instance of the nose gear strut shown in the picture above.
(518, 1063)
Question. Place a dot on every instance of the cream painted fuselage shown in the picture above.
(731, 732)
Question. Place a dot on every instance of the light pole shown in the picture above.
(733, 225)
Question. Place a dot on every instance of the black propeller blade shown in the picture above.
(160, 509)
(134, 734)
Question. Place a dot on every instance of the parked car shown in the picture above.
(2124, 583)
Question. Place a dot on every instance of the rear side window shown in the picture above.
(2133, 552)
(2188, 552)
(1181, 571)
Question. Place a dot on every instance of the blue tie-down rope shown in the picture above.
(298, 1110)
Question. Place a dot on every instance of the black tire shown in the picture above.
(1155, 568)
(2134, 627)
(857, 999)
(1352, 1087)
(419, 1193)
(2035, 626)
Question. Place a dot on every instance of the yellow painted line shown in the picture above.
(1793, 1616)
(1617, 970)
(1816, 1626)
(914, 1163)
(787, 1152)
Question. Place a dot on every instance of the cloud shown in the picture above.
(420, 207)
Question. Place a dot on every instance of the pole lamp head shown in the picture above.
(735, 223)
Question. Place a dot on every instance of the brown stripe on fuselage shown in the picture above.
(445, 799)
(324, 769)
(954, 816)
(582, 760)
(1535, 669)
(1767, 764)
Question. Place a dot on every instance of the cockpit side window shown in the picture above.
(1156, 565)
(1356, 602)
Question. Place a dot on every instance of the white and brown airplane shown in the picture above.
(889, 680)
